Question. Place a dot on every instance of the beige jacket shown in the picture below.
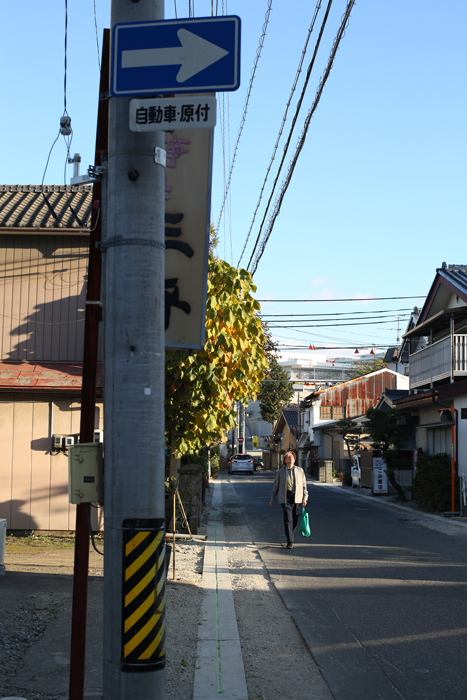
(280, 485)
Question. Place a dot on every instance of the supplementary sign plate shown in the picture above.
(169, 113)
(176, 56)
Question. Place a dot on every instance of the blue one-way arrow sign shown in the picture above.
(171, 56)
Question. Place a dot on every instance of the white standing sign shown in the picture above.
(169, 113)
(380, 477)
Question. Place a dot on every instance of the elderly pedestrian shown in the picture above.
(290, 488)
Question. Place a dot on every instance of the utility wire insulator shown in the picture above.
(65, 125)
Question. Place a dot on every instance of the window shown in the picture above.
(439, 440)
(332, 412)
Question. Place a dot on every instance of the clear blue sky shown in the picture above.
(377, 200)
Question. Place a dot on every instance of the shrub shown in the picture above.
(432, 483)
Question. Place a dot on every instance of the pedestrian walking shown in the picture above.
(291, 491)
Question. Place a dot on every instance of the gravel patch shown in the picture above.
(24, 625)
(20, 629)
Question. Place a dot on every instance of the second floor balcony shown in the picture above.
(441, 360)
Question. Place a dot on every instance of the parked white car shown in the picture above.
(241, 463)
(355, 471)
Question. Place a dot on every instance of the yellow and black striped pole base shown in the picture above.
(143, 628)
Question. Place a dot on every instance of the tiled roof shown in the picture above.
(45, 206)
(50, 375)
(394, 394)
(456, 274)
(291, 417)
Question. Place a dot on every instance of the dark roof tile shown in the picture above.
(456, 274)
(45, 206)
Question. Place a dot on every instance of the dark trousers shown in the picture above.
(291, 516)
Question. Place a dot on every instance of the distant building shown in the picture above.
(306, 376)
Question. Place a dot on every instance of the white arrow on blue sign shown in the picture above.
(172, 56)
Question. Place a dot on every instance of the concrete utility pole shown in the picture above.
(134, 563)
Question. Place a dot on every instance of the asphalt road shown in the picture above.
(380, 599)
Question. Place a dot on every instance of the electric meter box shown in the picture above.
(85, 473)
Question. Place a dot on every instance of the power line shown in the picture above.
(245, 108)
(288, 177)
(346, 317)
(296, 301)
(326, 347)
(281, 129)
(294, 121)
(97, 38)
(340, 313)
(338, 325)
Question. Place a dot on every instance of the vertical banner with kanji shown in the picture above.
(188, 176)
(380, 477)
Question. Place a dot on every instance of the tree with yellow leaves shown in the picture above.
(201, 387)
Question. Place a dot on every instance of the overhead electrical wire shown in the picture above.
(293, 163)
(67, 135)
(245, 108)
(296, 301)
(287, 319)
(97, 38)
(291, 130)
(338, 325)
(281, 129)
(341, 313)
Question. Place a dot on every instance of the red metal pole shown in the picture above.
(453, 467)
(88, 401)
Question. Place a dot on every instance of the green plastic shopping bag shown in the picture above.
(305, 528)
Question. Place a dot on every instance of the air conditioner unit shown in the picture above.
(2, 545)
(57, 441)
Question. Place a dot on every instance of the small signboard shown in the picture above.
(167, 114)
(380, 477)
(188, 176)
(240, 439)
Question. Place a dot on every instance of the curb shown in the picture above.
(376, 501)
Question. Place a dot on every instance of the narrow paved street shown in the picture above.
(378, 594)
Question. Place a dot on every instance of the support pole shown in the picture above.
(134, 562)
(88, 396)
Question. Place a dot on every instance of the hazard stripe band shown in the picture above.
(143, 595)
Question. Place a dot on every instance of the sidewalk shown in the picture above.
(229, 634)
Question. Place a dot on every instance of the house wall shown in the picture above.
(33, 481)
(42, 297)
(432, 437)
(289, 440)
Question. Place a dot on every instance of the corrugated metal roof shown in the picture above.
(45, 206)
(48, 375)
(456, 274)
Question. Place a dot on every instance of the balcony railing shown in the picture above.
(434, 362)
